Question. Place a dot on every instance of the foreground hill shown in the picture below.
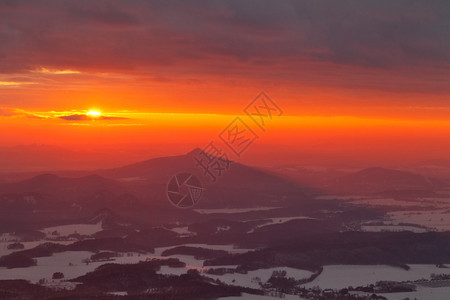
(163, 168)
(240, 185)
(140, 190)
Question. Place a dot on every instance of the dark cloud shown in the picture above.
(247, 38)
(78, 117)
(100, 13)
(75, 118)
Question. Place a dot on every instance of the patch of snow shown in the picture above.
(183, 231)
(27, 245)
(222, 228)
(257, 297)
(274, 221)
(393, 227)
(342, 276)
(228, 248)
(335, 197)
(46, 266)
(249, 279)
(66, 230)
(434, 219)
(233, 210)
(71, 263)
(440, 293)
(118, 293)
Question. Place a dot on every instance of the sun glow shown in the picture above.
(93, 113)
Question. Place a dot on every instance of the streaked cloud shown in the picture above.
(57, 72)
(52, 115)
(390, 47)
(84, 117)
(300, 40)
(16, 112)
(14, 83)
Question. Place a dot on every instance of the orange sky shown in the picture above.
(364, 81)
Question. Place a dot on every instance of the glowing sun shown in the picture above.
(93, 113)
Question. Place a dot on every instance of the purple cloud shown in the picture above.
(79, 117)
(345, 43)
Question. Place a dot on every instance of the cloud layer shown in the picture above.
(390, 45)
(79, 117)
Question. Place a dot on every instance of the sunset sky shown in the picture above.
(355, 79)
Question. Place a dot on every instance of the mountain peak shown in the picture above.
(44, 178)
(195, 151)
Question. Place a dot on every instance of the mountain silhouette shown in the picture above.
(378, 179)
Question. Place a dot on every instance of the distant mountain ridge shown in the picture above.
(377, 179)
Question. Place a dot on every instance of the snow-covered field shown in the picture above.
(228, 248)
(345, 198)
(287, 219)
(190, 261)
(437, 219)
(248, 280)
(46, 266)
(436, 201)
(183, 231)
(425, 202)
(69, 263)
(27, 245)
(387, 227)
(430, 212)
(66, 230)
(245, 296)
(275, 221)
(373, 202)
(422, 293)
(233, 210)
(342, 276)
